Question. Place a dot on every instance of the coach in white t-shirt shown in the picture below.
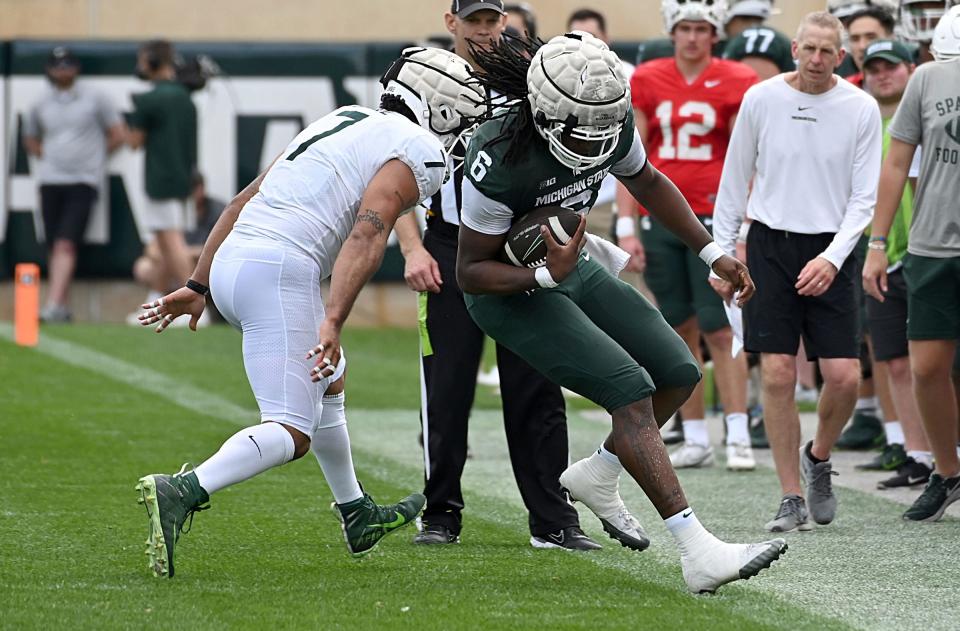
(812, 144)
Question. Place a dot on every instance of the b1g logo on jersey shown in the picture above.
(684, 148)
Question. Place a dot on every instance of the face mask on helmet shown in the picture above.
(676, 11)
(918, 18)
(946, 36)
(578, 98)
(437, 87)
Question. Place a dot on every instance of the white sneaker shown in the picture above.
(692, 455)
(722, 563)
(740, 457)
(584, 484)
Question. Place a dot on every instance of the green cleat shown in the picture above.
(365, 523)
(170, 500)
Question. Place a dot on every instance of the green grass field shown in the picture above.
(95, 407)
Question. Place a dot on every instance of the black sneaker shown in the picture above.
(910, 473)
(864, 432)
(435, 534)
(570, 538)
(758, 434)
(673, 434)
(890, 459)
(939, 493)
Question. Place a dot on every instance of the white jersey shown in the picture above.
(311, 195)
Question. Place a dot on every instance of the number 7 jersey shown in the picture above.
(688, 125)
(310, 197)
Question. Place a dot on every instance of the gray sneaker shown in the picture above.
(820, 497)
(791, 516)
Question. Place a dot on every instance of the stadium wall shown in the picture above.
(308, 20)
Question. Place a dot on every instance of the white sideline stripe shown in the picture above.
(137, 376)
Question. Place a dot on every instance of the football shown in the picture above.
(525, 246)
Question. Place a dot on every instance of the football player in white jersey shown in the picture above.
(337, 188)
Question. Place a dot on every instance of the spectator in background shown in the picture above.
(70, 130)
(932, 264)
(521, 20)
(149, 269)
(762, 48)
(164, 123)
(887, 67)
(866, 26)
(744, 14)
(811, 143)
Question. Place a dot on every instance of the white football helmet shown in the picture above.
(712, 11)
(842, 9)
(439, 89)
(918, 18)
(577, 92)
(946, 37)
(762, 9)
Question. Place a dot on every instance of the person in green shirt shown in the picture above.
(164, 124)
(887, 66)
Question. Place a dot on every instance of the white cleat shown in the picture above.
(740, 457)
(724, 563)
(691, 455)
(584, 484)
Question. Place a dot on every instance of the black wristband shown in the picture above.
(200, 288)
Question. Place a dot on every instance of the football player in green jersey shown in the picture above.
(572, 319)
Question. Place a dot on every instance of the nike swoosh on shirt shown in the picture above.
(711, 84)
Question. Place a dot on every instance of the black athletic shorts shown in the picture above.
(888, 319)
(776, 317)
(66, 210)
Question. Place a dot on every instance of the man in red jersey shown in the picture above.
(685, 107)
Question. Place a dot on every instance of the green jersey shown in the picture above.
(168, 118)
(760, 41)
(496, 193)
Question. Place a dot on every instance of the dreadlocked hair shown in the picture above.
(502, 69)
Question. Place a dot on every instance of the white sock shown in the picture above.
(605, 465)
(245, 454)
(330, 443)
(688, 532)
(923, 457)
(608, 457)
(866, 403)
(738, 432)
(695, 432)
(894, 432)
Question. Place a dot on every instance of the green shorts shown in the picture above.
(933, 297)
(678, 278)
(593, 334)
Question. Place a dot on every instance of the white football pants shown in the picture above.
(271, 292)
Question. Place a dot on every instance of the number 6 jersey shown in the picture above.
(311, 195)
(689, 124)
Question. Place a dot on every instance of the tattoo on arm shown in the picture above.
(373, 218)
